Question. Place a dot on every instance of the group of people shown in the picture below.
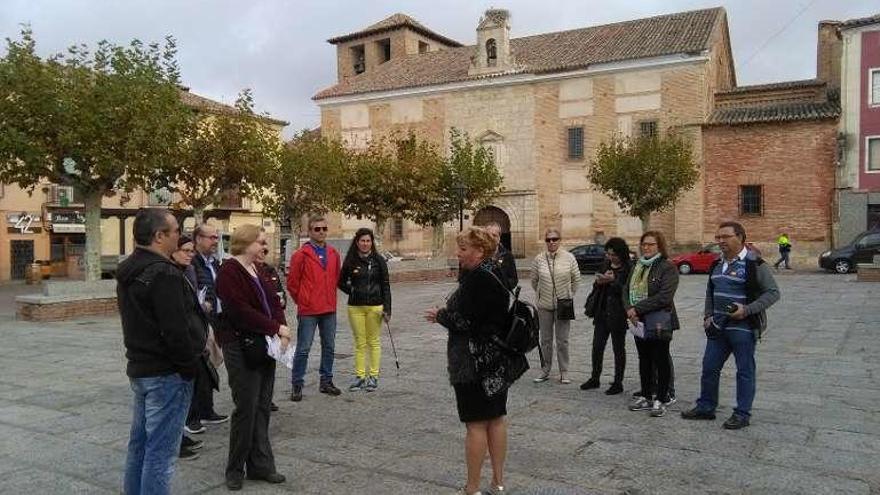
(183, 313)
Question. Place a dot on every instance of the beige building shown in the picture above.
(542, 103)
(49, 224)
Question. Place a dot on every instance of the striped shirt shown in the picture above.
(729, 282)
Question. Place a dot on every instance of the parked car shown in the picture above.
(589, 256)
(845, 259)
(700, 261)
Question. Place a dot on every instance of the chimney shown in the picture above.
(828, 52)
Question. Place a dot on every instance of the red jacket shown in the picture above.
(242, 304)
(313, 287)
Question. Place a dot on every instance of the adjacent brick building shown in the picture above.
(542, 103)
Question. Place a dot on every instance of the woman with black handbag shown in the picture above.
(648, 299)
(480, 372)
(605, 306)
(555, 279)
(251, 311)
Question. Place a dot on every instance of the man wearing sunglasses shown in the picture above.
(311, 281)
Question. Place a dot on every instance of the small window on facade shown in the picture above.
(875, 86)
(648, 128)
(424, 47)
(491, 52)
(384, 50)
(357, 58)
(873, 157)
(575, 143)
(397, 228)
(750, 200)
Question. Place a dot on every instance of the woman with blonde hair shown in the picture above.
(475, 312)
(251, 311)
(555, 278)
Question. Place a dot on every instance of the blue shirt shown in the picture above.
(321, 251)
(729, 282)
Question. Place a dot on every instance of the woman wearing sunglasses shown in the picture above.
(555, 278)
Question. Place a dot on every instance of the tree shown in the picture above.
(645, 174)
(222, 154)
(308, 178)
(100, 122)
(470, 167)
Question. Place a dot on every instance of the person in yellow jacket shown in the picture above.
(784, 244)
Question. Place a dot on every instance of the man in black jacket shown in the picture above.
(164, 335)
(503, 258)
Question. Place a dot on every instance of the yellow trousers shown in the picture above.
(366, 325)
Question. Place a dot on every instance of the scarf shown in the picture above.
(638, 282)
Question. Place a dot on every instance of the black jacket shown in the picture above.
(204, 278)
(365, 280)
(163, 327)
(507, 266)
(476, 310)
(609, 302)
(662, 284)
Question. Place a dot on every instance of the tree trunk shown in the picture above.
(198, 215)
(379, 234)
(92, 201)
(646, 222)
(438, 240)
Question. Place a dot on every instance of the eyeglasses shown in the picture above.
(552, 239)
(319, 229)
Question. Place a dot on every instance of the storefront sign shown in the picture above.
(68, 222)
(23, 222)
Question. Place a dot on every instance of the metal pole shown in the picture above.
(460, 213)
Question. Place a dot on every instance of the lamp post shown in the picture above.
(461, 190)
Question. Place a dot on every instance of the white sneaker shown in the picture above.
(658, 410)
(541, 379)
(640, 404)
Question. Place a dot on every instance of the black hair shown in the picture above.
(738, 229)
(353, 252)
(183, 240)
(619, 247)
(147, 223)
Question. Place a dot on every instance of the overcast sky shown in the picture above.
(278, 48)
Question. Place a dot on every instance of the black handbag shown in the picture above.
(254, 349)
(564, 306)
(590, 305)
(658, 325)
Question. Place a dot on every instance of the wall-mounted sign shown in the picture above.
(23, 222)
(68, 221)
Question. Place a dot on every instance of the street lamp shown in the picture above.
(461, 190)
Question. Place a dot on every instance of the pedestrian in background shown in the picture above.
(503, 258)
(783, 242)
(365, 280)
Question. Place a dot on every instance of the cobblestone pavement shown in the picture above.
(65, 412)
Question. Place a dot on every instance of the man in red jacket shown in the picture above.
(311, 281)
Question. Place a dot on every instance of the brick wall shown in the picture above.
(67, 310)
(795, 164)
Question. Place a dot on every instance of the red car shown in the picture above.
(700, 261)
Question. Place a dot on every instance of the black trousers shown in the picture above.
(601, 332)
(249, 446)
(654, 355)
(202, 404)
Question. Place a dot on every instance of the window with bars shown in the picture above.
(397, 228)
(648, 128)
(751, 200)
(575, 143)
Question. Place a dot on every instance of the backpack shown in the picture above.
(523, 330)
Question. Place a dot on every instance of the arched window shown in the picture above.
(491, 52)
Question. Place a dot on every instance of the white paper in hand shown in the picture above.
(273, 348)
(638, 329)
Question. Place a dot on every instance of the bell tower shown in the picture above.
(492, 53)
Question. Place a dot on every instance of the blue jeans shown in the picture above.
(160, 407)
(718, 349)
(305, 334)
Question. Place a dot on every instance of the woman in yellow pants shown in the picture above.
(364, 278)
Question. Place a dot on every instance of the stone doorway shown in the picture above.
(494, 214)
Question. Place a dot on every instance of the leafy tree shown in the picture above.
(308, 178)
(222, 154)
(469, 167)
(101, 122)
(644, 174)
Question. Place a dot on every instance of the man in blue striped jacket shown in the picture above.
(740, 289)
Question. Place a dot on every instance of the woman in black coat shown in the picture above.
(648, 298)
(473, 313)
(609, 317)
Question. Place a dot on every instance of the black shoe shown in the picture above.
(590, 384)
(697, 414)
(215, 419)
(614, 389)
(194, 428)
(329, 389)
(234, 483)
(735, 422)
(188, 443)
(187, 454)
(297, 394)
(637, 394)
(273, 407)
(268, 478)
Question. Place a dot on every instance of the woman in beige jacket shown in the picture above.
(555, 275)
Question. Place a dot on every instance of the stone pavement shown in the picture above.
(64, 412)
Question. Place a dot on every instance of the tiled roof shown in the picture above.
(193, 100)
(393, 22)
(804, 83)
(862, 21)
(778, 112)
(684, 32)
